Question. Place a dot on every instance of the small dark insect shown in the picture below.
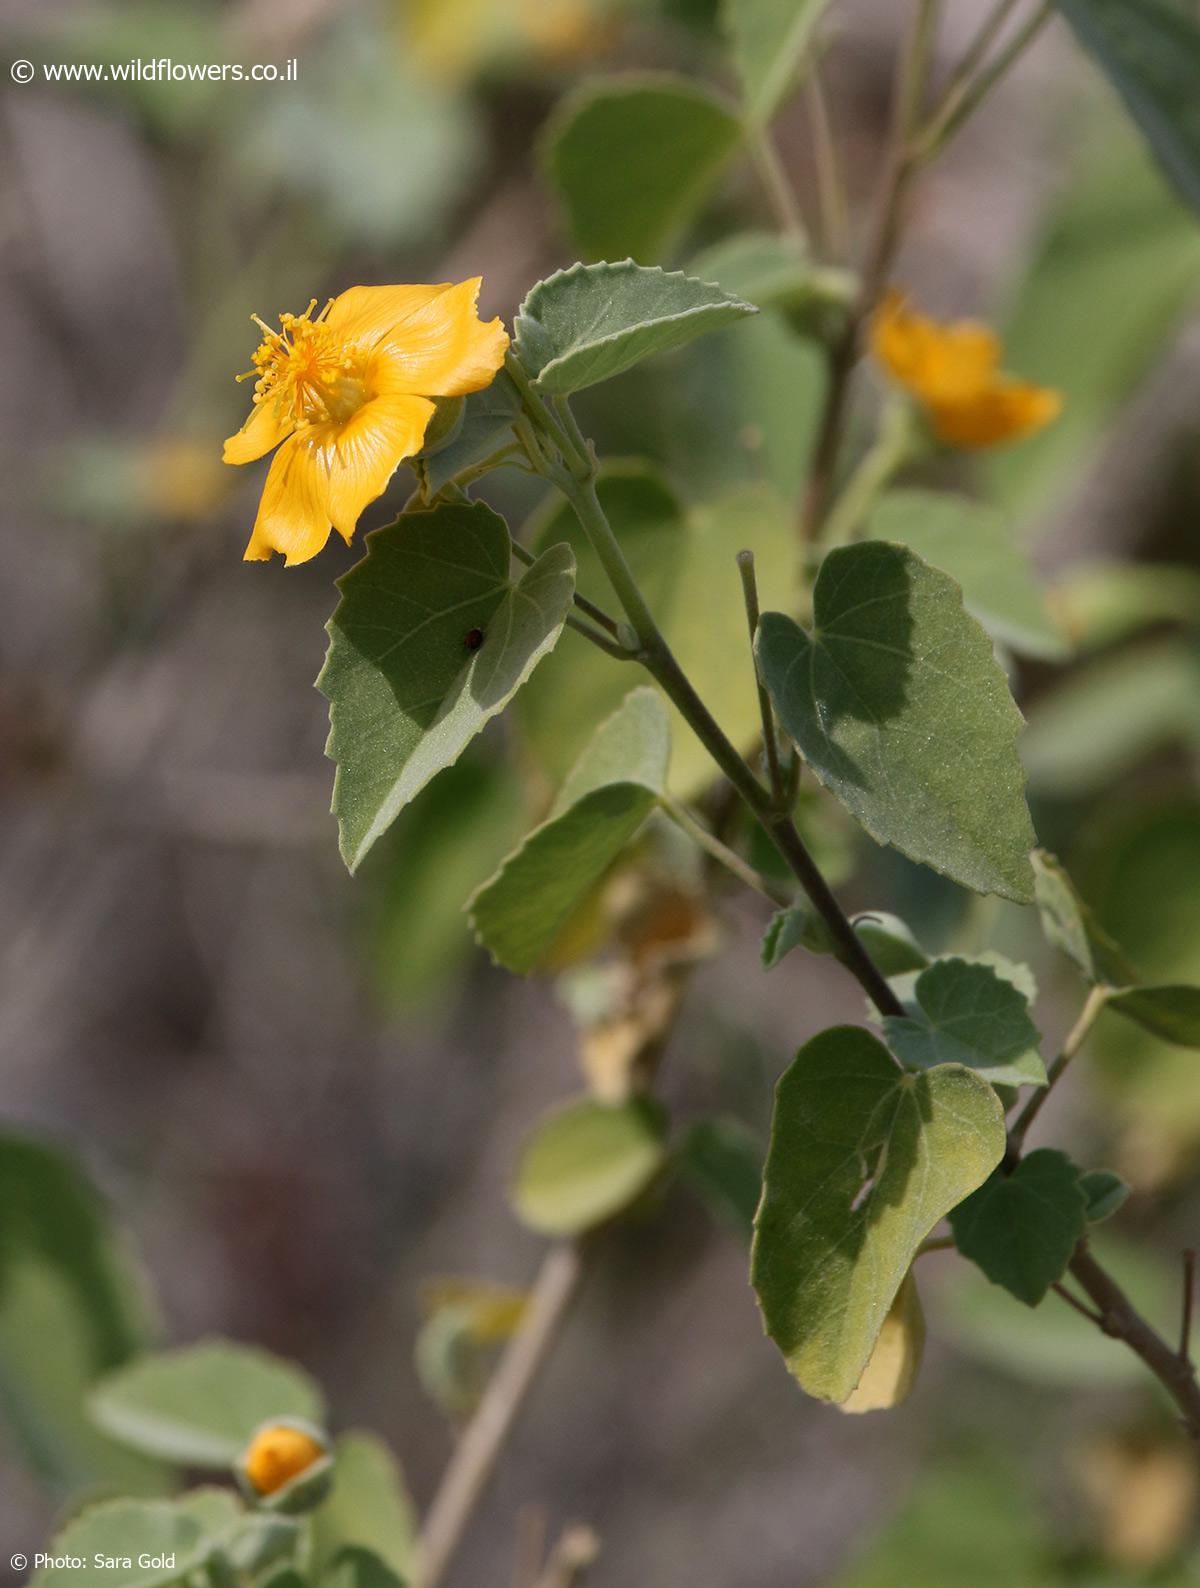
(475, 639)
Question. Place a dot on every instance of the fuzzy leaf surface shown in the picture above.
(864, 1160)
(406, 692)
(898, 705)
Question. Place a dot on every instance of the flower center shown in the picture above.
(305, 369)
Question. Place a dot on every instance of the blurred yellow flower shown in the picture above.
(277, 1455)
(954, 372)
(346, 397)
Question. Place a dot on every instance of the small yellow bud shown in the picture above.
(277, 1455)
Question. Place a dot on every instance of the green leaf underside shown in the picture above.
(201, 1404)
(864, 1160)
(184, 1531)
(588, 323)
(722, 1161)
(787, 929)
(890, 942)
(406, 693)
(973, 542)
(1104, 1193)
(518, 914)
(683, 562)
(487, 426)
(585, 1163)
(896, 702)
(676, 135)
(769, 39)
(1070, 926)
(1150, 51)
(972, 1016)
(368, 1506)
(759, 267)
(1021, 1229)
(1172, 1012)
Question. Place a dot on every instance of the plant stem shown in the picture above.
(1074, 1040)
(660, 662)
(776, 185)
(474, 1459)
(892, 448)
(729, 858)
(831, 185)
(963, 100)
(611, 648)
(1120, 1320)
(1189, 1301)
(745, 562)
(912, 73)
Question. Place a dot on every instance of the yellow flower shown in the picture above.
(277, 1455)
(954, 372)
(346, 398)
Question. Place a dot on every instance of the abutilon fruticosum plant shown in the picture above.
(849, 645)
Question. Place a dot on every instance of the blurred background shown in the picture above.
(300, 1095)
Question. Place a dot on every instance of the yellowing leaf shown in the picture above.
(889, 1376)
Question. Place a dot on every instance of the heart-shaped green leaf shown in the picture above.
(898, 705)
(1021, 1228)
(974, 544)
(588, 323)
(200, 1404)
(677, 136)
(864, 1161)
(430, 639)
(587, 1161)
(518, 913)
(969, 1015)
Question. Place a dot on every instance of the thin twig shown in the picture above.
(474, 1459)
(576, 1551)
(745, 562)
(898, 170)
(1189, 1301)
(1121, 1321)
(831, 184)
(970, 95)
(1074, 1041)
(976, 52)
(597, 614)
(776, 185)
(729, 858)
(1072, 1301)
(611, 648)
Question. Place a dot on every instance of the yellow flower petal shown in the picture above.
(270, 422)
(953, 371)
(365, 314)
(1003, 412)
(366, 452)
(277, 1455)
(442, 350)
(293, 516)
